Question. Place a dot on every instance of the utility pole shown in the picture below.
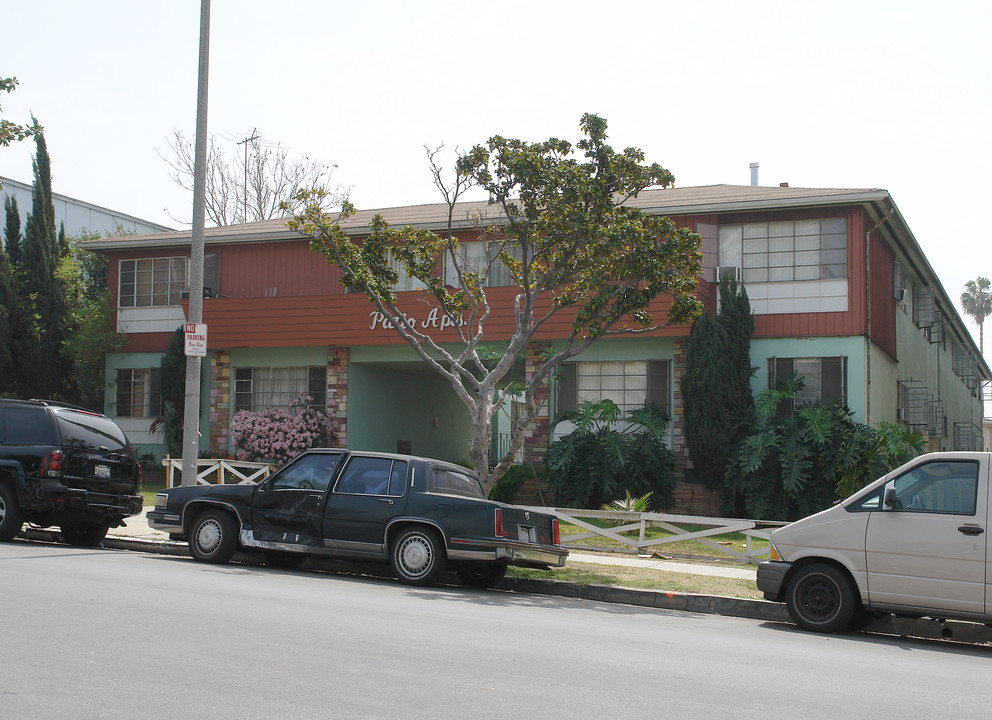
(191, 418)
(253, 138)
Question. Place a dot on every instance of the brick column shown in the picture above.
(536, 438)
(679, 449)
(220, 402)
(337, 393)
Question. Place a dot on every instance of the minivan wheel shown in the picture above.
(10, 514)
(820, 598)
(213, 537)
(84, 535)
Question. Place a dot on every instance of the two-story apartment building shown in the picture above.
(840, 288)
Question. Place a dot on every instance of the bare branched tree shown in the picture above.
(250, 187)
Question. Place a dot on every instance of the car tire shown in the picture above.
(81, 535)
(482, 575)
(10, 513)
(418, 556)
(213, 537)
(820, 598)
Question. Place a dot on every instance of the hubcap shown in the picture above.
(415, 556)
(3, 509)
(208, 536)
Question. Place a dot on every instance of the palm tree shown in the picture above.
(976, 301)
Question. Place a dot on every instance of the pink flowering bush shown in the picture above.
(279, 435)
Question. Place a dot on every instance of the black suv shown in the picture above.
(66, 466)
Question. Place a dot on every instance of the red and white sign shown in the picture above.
(196, 340)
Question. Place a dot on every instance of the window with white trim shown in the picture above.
(138, 392)
(152, 282)
(628, 383)
(264, 388)
(787, 251)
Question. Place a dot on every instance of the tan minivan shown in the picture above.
(912, 543)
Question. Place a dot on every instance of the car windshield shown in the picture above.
(445, 480)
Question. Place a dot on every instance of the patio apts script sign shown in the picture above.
(435, 319)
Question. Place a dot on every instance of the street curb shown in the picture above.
(925, 628)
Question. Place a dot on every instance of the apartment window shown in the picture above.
(630, 384)
(825, 378)
(405, 282)
(152, 282)
(481, 257)
(264, 388)
(786, 251)
(138, 392)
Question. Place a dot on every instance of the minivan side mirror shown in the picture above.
(892, 500)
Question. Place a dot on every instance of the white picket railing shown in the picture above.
(751, 529)
(225, 472)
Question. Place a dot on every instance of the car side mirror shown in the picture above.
(892, 500)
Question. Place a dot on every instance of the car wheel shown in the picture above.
(418, 556)
(482, 575)
(10, 514)
(84, 535)
(285, 560)
(820, 598)
(213, 537)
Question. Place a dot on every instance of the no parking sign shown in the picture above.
(196, 340)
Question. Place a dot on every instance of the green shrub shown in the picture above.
(599, 462)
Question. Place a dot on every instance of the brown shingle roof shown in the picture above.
(667, 201)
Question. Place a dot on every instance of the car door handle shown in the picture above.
(971, 530)
(386, 500)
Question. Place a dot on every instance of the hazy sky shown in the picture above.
(892, 95)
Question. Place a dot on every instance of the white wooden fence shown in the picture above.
(218, 471)
(630, 521)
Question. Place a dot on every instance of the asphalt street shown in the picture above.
(104, 634)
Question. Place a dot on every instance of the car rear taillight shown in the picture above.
(139, 478)
(500, 532)
(51, 466)
(556, 531)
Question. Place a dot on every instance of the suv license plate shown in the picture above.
(526, 534)
(102, 471)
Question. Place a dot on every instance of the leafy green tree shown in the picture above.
(976, 301)
(566, 236)
(607, 457)
(87, 323)
(716, 384)
(800, 460)
(11, 131)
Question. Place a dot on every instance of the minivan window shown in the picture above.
(27, 426)
(939, 487)
(90, 432)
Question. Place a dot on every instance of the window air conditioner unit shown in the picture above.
(731, 271)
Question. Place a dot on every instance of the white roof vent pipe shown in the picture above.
(754, 174)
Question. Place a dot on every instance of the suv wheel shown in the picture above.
(10, 514)
(84, 535)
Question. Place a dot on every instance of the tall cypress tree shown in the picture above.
(40, 369)
(12, 230)
(716, 384)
